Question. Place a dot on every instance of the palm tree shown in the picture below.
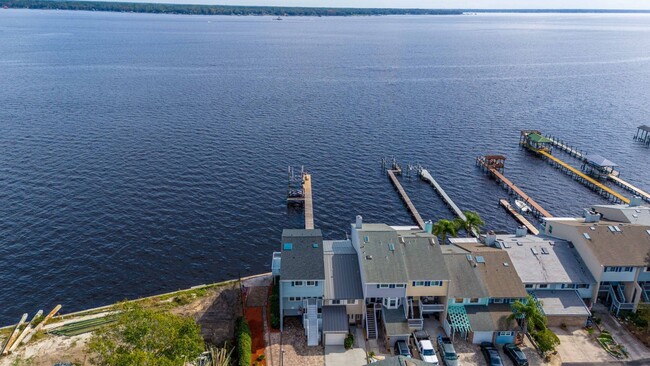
(444, 228)
(529, 313)
(472, 223)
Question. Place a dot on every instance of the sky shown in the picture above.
(433, 4)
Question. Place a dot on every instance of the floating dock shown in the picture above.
(309, 204)
(393, 178)
(494, 164)
(531, 228)
(425, 175)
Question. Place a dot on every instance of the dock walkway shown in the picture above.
(644, 195)
(566, 148)
(405, 197)
(309, 204)
(537, 209)
(592, 183)
(424, 174)
(533, 230)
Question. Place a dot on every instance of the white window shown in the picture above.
(498, 301)
(336, 302)
(528, 285)
(459, 300)
(392, 285)
(400, 285)
(391, 302)
(505, 334)
(296, 283)
(544, 285)
(312, 283)
(583, 285)
(628, 269)
(473, 300)
(294, 299)
(383, 285)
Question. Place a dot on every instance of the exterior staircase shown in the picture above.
(312, 323)
(371, 322)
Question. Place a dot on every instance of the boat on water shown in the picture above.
(522, 206)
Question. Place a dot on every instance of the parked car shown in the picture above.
(491, 354)
(402, 349)
(446, 352)
(427, 353)
(515, 353)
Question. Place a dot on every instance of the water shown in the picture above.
(147, 153)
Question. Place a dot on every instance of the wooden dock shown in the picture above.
(309, 204)
(638, 191)
(425, 175)
(531, 228)
(487, 163)
(405, 197)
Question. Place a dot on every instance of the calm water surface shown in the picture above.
(146, 153)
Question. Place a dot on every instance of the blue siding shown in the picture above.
(302, 291)
(504, 339)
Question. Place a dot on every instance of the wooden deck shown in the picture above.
(630, 187)
(454, 208)
(531, 228)
(309, 204)
(405, 197)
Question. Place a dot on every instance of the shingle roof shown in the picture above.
(304, 261)
(395, 322)
(464, 281)
(389, 256)
(342, 274)
(496, 274)
(335, 319)
(492, 317)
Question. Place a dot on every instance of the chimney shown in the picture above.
(591, 216)
(491, 238)
(635, 201)
(521, 232)
(428, 227)
(359, 222)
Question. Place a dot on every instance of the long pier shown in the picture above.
(309, 204)
(586, 180)
(531, 228)
(566, 148)
(492, 164)
(638, 191)
(425, 175)
(405, 197)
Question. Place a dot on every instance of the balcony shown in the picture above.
(617, 296)
(275, 264)
(431, 305)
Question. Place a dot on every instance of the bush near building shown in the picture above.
(275, 305)
(243, 342)
(349, 341)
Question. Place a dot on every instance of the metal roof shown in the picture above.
(644, 128)
(413, 255)
(335, 319)
(342, 274)
(538, 138)
(597, 160)
(304, 260)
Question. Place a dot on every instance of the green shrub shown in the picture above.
(275, 305)
(546, 340)
(349, 341)
(243, 342)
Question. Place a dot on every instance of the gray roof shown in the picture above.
(600, 161)
(638, 215)
(644, 128)
(490, 318)
(305, 259)
(395, 321)
(400, 361)
(562, 264)
(391, 256)
(335, 319)
(562, 302)
(342, 274)
(464, 282)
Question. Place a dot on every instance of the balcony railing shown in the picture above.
(275, 264)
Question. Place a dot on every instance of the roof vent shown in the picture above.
(480, 259)
(287, 246)
(544, 251)
(592, 228)
(617, 228)
(369, 257)
(535, 252)
(505, 245)
(366, 239)
(648, 231)
(391, 247)
(591, 216)
(315, 245)
(587, 236)
(505, 264)
(469, 257)
(611, 228)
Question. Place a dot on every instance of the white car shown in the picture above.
(428, 354)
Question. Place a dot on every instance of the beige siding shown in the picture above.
(427, 291)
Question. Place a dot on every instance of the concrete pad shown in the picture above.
(576, 345)
(338, 355)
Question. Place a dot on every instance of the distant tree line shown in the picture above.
(213, 9)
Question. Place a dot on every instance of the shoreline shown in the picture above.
(104, 308)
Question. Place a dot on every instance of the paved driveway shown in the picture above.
(636, 349)
(338, 355)
(578, 346)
